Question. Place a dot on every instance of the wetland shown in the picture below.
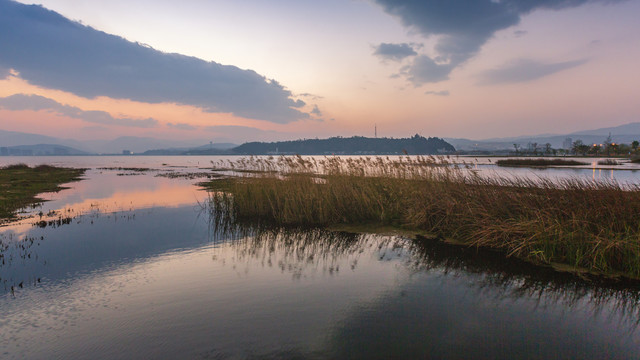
(146, 266)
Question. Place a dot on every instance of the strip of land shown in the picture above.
(540, 162)
(20, 185)
(581, 224)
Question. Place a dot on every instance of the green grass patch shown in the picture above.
(20, 185)
(580, 223)
(540, 162)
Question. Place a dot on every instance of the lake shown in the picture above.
(129, 264)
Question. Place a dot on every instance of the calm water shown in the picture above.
(141, 271)
(626, 172)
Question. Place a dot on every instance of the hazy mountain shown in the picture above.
(209, 149)
(115, 146)
(141, 144)
(622, 130)
(40, 150)
(619, 134)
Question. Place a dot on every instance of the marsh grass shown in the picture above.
(20, 184)
(585, 224)
(611, 162)
(540, 162)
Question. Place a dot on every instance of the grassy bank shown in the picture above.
(20, 185)
(541, 162)
(579, 223)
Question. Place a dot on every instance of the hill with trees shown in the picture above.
(357, 145)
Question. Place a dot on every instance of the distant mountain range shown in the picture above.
(34, 142)
(14, 143)
(31, 144)
(620, 134)
(39, 150)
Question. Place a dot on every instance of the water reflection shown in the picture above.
(450, 301)
(171, 281)
(300, 251)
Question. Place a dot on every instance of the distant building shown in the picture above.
(127, 152)
(567, 144)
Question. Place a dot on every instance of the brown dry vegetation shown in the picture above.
(581, 223)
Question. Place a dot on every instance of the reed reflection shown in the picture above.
(300, 251)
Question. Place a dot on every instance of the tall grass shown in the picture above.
(582, 223)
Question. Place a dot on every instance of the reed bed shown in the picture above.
(611, 162)
(577, 222)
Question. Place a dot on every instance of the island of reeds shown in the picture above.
(20, 185)
(576, 224)
(539, 162)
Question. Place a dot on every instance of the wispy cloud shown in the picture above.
(462, 28)
(438, 93)
(316, 111)
(244, 133)
(51, 51)
(20, 102)
(395, 52)
(520, 33)
(181, 126)
(311, 96)
(523, 70)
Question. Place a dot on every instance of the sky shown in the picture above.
(236, 71)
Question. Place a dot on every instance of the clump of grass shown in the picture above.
(608, 162)
(138, 169)
(19, 166)
(582, 223)
(541, 162)
(20, 184)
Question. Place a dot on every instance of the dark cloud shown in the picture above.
(523, 70)
(394, 52)
(425, 70)
(463, 26)
(181, 126)
(51, 51)
(438, 93)
(316, 111)
(20, 102)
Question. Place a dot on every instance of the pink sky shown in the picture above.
(548, 69)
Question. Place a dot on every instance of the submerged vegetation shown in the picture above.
(541, 162)
(581, 225)
(20, 184)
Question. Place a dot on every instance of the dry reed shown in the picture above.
(582, 223)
